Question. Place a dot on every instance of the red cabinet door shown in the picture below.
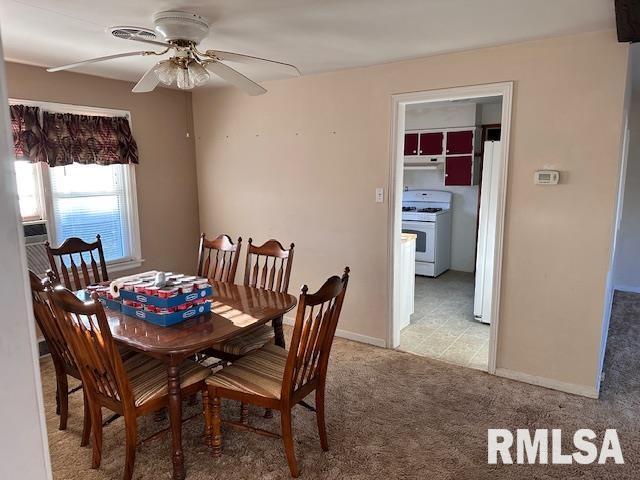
(459, 142)
(458, 170)
(431, 143)
(410, 143)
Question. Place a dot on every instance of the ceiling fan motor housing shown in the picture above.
(176, 25)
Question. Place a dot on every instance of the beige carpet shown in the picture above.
(391, 415)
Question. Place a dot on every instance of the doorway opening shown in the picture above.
(449, 159)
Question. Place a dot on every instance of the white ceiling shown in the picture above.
(315, 35)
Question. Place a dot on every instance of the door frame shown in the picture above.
(27, 454)
(396, 172)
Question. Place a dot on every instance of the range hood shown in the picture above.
(424, 163)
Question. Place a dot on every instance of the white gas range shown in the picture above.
(427, 214)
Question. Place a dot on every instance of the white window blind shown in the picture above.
(93, 199)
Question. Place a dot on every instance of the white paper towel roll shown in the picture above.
(116, 285)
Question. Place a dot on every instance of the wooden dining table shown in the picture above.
(236, 310)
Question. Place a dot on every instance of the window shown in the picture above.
(83, 200)
(29, 191)
(91, 199)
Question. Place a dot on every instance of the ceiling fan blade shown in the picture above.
(240, 58)
(99, 59)
(138, 38)
(234, 77)
(148, 82)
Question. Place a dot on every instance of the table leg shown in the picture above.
(277, 329)
(175, 418)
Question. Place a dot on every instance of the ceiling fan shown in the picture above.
(179, 33)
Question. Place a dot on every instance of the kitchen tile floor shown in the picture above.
(443, 326)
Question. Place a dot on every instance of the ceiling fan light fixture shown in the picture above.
(166, 71)
(198, 74)
(183, 79)
(184, 75)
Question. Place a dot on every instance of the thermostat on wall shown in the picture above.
(546, 177)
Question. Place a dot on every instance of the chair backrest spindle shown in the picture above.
(218, 258)
(76, 276)
(268, 266)
(86, 329)
(46, 320)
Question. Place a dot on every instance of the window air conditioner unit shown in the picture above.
(35, 236)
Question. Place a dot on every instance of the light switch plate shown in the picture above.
(379, 195)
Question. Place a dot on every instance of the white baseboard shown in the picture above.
(582, 390)
(627, 288)
(356, 337)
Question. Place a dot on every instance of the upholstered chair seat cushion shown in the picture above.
(246, 343)
(148, 376)
(259, 373)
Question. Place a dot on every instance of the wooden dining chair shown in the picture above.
(275, 378)
(267, 266)
(63, 362)
(63, 262)
(131, 387)
(218, 258)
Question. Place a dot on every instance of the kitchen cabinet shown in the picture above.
(460, 142)
(458, 170)
(459, 160)
(423, 143)
(411, 144)
(451, 148)
(431, 143)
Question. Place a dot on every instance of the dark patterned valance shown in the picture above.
(29, 142)
(87, 139)
(65, 138)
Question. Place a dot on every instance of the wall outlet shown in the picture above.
(379, 195)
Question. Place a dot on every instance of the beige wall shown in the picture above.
(301, 163)
(166, 175)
